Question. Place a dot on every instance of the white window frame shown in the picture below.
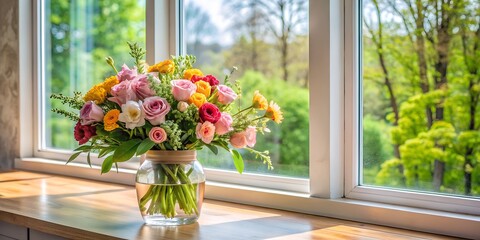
(333, 151)
(353, 168)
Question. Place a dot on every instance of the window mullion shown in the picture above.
(326, 86)
(352, 98)
(27, 33)
(158, 30)
(177, 18)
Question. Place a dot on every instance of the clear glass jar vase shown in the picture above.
(170, 187)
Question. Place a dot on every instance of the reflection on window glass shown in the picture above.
(79, 34)
(268, 41)
(421, 94)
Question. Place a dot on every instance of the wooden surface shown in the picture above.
(83, 209)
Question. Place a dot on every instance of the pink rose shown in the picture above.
(238, 140)
(244, 138)
(183, 89)
(205, 131)
(157, 135)
(127, 74)
(83, 133)
(141, 87)
(251, 136)
(225, 94)
(155, 108)
(224, 124)
(90, 113)
(122, 93)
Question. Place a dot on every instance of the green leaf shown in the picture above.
(89, 160)
(101, 131)
(75, 155)
(144, 146)
(106, 151)
(107, 164)
(237, 160)
(84, 148)
(222, 145)
(212, 148)
(126, 150)
(119, 135)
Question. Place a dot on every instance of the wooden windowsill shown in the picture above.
(83, 209)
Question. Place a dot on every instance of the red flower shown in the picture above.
(83, 133)
(209, 112)
(196, 78)
(209, 78)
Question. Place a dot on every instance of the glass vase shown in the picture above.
(170, 187)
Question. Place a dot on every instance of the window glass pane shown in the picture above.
(268, 42)
(78, 35)
(421, 94)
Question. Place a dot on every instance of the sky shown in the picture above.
(214, 8)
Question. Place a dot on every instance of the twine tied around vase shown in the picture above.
(171, 157)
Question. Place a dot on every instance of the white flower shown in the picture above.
(182, 106)
(132, 114)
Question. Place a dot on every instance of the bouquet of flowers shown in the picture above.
(166, 106)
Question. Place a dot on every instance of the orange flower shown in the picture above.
(110, 120)
(189, 73)
(97, 94)
(198, 99)
(259, 101)
(109, 83)
(204, 88)
(167, 66)
(273, 112)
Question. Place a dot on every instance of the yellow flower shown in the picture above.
(273, 112)
(111, 127)
(97, 94)
(259, 101)
(110, 120)
(189, 73)
(198, 99)
(109, 83)
(167, 66)
(111, 117)
(204, 88)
